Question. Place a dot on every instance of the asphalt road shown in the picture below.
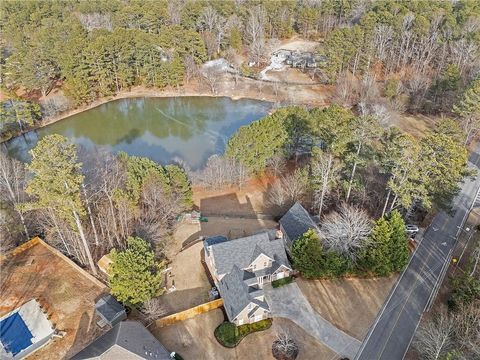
(392, 331)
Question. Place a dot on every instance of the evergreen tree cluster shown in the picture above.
(134, 275)
(388, 250)
(171, 179)
(87, 212)
(17, 116)
(419, 172)
(386, 253)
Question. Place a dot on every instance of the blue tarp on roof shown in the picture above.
(14, 334)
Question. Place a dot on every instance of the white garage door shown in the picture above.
(258, 318)
(280, 275)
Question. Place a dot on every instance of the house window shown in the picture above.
(249, 306)
(254, 266)
(265, 264)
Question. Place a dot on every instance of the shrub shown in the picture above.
(281, 282)
(230, 335)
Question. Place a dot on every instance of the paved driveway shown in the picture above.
(288, 302)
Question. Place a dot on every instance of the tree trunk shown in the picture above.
(386, 202)
(89, 212)
(85, 243)
(392, 205)
(324, 186)
(60, 233)
(353, 173)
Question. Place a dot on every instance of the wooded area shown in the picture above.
(425, 53)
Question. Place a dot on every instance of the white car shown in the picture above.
(411, 229)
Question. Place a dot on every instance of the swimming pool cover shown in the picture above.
(14, 334)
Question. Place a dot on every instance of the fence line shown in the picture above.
(189, 313)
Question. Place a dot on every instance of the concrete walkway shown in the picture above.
(288, 302)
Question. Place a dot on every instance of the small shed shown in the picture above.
(110, 311)
(104, 263)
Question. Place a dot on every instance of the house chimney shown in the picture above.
(279, 234)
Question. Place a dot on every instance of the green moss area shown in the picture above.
(230, 335)
(281, 282)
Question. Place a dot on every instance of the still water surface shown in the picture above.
(162, 129)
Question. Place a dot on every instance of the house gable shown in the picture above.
(262, 261)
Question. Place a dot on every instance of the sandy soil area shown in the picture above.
(249, 201)
(194, 339)
(349, 304)
(62, 289)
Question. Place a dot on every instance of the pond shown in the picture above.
(162, 129)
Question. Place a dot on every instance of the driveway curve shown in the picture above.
(289, 302)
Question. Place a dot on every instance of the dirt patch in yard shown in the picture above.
(349, 304)
(194, 339)
(248, 201)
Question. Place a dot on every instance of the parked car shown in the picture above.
(412, 230)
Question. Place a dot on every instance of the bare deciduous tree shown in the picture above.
(152, 310)
(12, 186)
(325, 171)
(174, 9)
(346, 230)
(221, 171)
(54, 105)
(96, 20)
(211, 75)
(467, 330)
(288, 189)
(284, 346)
(434, 337)
(277, 164)
(191, 68)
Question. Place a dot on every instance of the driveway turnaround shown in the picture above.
(392, 332)
(288, 302)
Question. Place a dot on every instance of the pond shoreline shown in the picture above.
(242, 90)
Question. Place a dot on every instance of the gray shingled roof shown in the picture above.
(235, 293)
(212, 241)
(241, 252)
(110, 310)
(297, 221)
(128, 337)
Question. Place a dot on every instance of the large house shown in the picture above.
(241, 267)
(296, 222)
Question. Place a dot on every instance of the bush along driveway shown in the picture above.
(288, 302)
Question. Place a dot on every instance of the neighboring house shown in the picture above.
(303, 60)
(296, 222)
(241, 267)
(128, 340)
(25, 330)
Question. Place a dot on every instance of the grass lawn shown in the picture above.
(230, 335)
(281, 282)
